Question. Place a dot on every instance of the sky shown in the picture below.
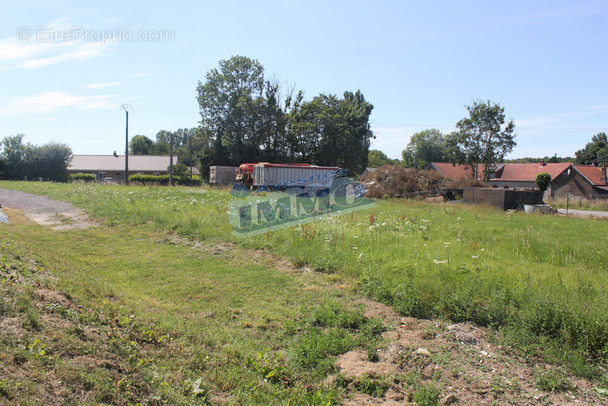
(67, 67)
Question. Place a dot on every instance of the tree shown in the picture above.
(424, 147)
(49, 162)
(331, 131)
(21, 161)
(376, 159)
(595, 152)
(542, 181)
(482, 138)
(227, 102)
(13, 157)
(356, 132)
(141, 145)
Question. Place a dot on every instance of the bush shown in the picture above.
(84, 177)
(163, 180)
(542, 181)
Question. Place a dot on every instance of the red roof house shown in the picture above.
(578, 180)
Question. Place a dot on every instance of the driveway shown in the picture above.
(48, 212)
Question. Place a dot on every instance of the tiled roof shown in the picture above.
(506, 172)
(592, 173)
(528, 172)
(137, 163)
(451, 171)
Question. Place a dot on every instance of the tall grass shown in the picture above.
(579, 203)
(544, 277)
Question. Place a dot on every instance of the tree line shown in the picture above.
(481, 140)
(19, 160)
(247, 118)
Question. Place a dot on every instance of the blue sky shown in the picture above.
(66, 67)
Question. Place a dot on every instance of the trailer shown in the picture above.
(244, 174)
(222, 175)
(285, 176)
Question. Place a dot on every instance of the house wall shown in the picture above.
(502, 198)
(511, 184)
(574, 185)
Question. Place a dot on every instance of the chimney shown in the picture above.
(542, 162)
(604, 179)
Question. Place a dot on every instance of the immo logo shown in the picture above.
(255, 214)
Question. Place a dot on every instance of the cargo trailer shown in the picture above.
(285, 176)
(222, 175)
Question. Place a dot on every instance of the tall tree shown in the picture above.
(595, 152)
(425, 147)
(13, 157)
(332, 131)
(483, 138)
(141, 145)
(356, 132)
(305, 130)
(162, 146)
(376, 159)
(226, 100)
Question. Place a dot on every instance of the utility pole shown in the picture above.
(171, 162)
(126, 108)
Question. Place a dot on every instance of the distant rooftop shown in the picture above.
(137, 163)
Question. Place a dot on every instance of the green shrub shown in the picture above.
(553, 380)
(83, 177)
(542, 181)
(426, 395)
(163, 180)
(314, 349)
(332, 314)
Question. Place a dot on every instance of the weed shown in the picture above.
(426, 395)
(315, 348)
(269, 366)
(7, 389)
(332, 314)
(371, 385)
(553, 380)
(31, 321)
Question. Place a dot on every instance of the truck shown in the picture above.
(285, 176)
(222, 175)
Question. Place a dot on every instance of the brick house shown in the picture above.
(578, 180)
(586, 181)
(113, 166)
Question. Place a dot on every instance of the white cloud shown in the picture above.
(138, 75)
(103, 85)
(75, 53)
(47, 102)
(555, 121)
(35, 47)
(12, 50)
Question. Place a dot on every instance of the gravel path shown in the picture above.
(584, 213)
(54, 213)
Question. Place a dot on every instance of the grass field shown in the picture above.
(539, 281)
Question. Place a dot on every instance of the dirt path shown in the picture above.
(52, 213)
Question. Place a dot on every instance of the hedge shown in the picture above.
(84, 177)
(164, 180)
